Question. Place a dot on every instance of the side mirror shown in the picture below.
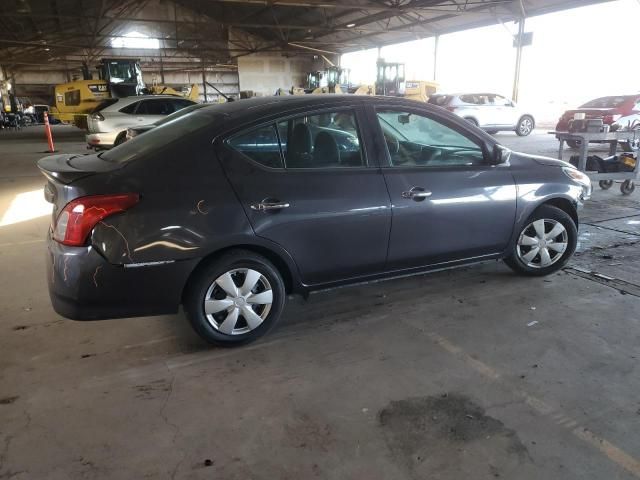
(499, 154)
(404, 119)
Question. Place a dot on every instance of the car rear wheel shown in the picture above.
(235, 299)
(545, 244)
(574, 144)
(525, 126)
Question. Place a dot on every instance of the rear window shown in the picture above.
(180, 113)
(159, 137)
(104, 104)
(440, 100)
(605, 102)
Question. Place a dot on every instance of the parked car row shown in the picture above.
(228, 208)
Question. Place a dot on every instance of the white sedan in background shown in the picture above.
(109, 122)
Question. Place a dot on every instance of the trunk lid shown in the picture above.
(61, 171)
(68, 168)
(590, 112)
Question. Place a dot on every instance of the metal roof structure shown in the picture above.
(42, 32)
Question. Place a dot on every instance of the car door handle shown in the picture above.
(269, 205)
(417, 193)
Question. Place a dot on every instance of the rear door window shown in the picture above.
(324, 140)
(260, 145)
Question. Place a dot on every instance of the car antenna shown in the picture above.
(228, 99)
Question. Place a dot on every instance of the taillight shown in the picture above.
(97, 116)
(609, 119)
(79, 216)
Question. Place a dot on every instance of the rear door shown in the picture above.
(448, 203)
(319, 196)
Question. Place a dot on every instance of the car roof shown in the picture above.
(257, 109)
(262, 106)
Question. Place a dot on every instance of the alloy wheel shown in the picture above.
(238, 301)
(542, 243)
(526, 125)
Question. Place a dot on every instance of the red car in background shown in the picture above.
(609, 109)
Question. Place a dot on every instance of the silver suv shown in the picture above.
(489, 111)
(109, 122)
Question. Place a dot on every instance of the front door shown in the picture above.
(448, 203)
(506, 112)
(306, 184)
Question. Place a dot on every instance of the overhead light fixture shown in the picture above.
(351, 25)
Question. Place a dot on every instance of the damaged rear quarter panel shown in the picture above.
(186, 210)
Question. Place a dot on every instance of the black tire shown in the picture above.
(472, 121)
(574, 144)
(121, 138)
(627, 187)
(204, 279)
(554, 214)
(492, 132)
(605, 184)
(525, 126)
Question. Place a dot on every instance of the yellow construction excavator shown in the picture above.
(116, 78)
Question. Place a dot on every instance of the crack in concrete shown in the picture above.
(615, 283)
(612, 229)
(7, 445)
(174, 427)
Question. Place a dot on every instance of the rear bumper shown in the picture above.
(84, 286)
(101, 140)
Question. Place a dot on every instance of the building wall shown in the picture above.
(265, 73)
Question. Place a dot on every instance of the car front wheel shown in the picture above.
(235, 299)
(545, 244)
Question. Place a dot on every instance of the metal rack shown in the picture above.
(626, 139)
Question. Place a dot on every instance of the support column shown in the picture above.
(516, 78)
(204, 83)
(435, 58)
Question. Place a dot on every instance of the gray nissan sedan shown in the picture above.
(232, 207)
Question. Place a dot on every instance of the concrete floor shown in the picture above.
(472, 373)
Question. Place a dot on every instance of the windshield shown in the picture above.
(122, 72)
(180, 113)
(605, 102)
(158, 138)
